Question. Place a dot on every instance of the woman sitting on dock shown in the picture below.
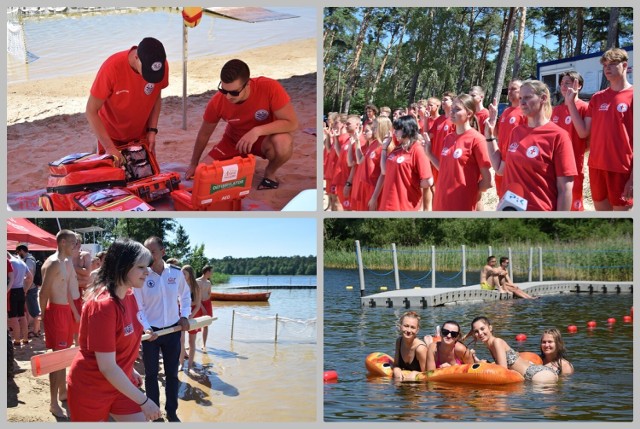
(506, 357)
(411, 352)
(554, 353)
(448, 351)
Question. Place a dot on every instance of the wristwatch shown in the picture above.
(152, 130)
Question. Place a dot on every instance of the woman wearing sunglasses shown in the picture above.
(506, 357)
(411, 352)
(448, 351)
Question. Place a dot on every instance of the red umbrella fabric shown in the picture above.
(21, 230)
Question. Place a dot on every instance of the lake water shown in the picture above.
(266, 281)
(253, 378)
(82, 43)
(600, 390)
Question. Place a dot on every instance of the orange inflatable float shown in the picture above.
(380, 364)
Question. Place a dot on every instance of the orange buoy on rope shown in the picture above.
(330, 376)
(611, 320)
(572, 328)
(627, 319)
(191, 16)
(521, 337)
(591, 324)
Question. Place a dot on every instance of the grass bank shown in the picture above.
(605, 260)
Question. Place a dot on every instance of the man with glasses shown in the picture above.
(260, 120)
(506, 283)
(609, 122)
(125, 99)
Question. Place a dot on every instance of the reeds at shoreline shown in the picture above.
(604, 260)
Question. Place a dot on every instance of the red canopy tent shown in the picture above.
(22, 231)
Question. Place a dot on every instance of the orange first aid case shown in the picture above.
(220, 186)
(143, 175)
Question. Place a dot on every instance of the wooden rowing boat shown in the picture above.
(240, 296)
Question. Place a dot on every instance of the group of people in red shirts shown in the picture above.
(422, 160)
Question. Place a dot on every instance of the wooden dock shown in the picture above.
(434, 297)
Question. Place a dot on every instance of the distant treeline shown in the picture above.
(266, 265)
(340, 234)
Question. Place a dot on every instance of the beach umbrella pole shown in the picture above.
(184, 76)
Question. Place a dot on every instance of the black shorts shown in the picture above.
(17, 300)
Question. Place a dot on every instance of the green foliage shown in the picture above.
(265, 265)
(340, 234)
(140, 229)
(180, 247)
(446, 49)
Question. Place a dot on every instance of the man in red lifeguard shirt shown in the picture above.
(609, 121)
(125, 101)
(259, 116)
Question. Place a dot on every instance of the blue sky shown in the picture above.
(252, 237)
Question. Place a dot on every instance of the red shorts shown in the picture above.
(76, 325)
(57, 326)
(577, 203)
(609, 185)
(226, 149)
(346, 204)
(208, 307)
(87, 406)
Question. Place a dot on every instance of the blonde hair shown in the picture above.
(411, 314)
(540, 89)
(382, 126)
(469, 104)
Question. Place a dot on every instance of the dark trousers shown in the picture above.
(170, 346)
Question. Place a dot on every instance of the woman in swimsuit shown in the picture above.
(411, 352)
(506, 357)
(448, 351)
(554, 353)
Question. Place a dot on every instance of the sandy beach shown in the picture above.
(277, 382)
(46, 121)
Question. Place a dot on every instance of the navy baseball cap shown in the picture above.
(152, 56)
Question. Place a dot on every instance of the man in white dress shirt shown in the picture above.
(164, 301)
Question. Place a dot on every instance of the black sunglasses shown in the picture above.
(446, 332)
(232, 93)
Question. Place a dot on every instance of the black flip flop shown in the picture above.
(268, 184)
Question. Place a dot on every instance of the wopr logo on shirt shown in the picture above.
(151, 284)
(373, 155)
(622, 107)
(400, 159)
(567, 120)
(261, 115)
(457, 153)
(148, 88)
(512, 120)
(533, 151)
(128, 330)
(513, 147)
(445, 151)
